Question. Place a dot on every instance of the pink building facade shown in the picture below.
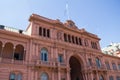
(52, 50)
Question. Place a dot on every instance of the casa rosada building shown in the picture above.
(52, 50)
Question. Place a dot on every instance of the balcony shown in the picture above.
(95, 67)
(41, 63)
(11, 61)
(61, 64)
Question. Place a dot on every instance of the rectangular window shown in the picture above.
(107, 65)
(89, 62)
(44, 32)
(65, 37)
(60, 58)
(119, 66)
(98, 63)
(80, 41)
(114, 66)
(45, 57)
(76, 40)
(111, 78)
(73, 39)
(40, 31)
(118, 78)
(91, 44)
(48, 33)
(69, 38)
(42, 57)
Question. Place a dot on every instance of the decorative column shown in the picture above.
(83, 76)
(106, 76)
(30, 51)
(91, 75)
(37, 49)
(52, 58)
(98, 45)
(1, 53)
(32, 73)
(53, 71)
(27, 55)
(59, 75)
(82, 41)
(36, 75)
(13, 54)
(86, 76)
(67, 37)
(64, 57)
(56, 53)
(24, 57)
(29, 73)
(97, 76)
(68, 74)
(74, 39)
(78, 41)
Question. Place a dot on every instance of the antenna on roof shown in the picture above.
(67, 10)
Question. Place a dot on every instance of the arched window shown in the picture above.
(44, 54)
(111, 78)
(101, 78)
(8, 50)
(114, 66)
(98, 63)
(12, 76)
(117, 77)
(107, 65)
(19, 76)
(19, 52)
(44, 76)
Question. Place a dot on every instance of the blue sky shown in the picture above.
(101, 17)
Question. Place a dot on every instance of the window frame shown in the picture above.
(44, 54)
(12, 76)
(17, 76)
(107, 65)
(101, 78)
(89, 62)
(119, 66)
(98, 63)
(114, 66)
(43, 76)
(60, 58)
(111, 78)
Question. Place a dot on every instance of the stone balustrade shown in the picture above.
(95, 67)
(11, 61)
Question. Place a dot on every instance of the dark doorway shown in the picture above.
(18, 56)
(75, 66)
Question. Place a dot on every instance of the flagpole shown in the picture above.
(67, 10)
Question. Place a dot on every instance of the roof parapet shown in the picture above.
(11, 29)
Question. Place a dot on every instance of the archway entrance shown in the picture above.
(75, 72)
